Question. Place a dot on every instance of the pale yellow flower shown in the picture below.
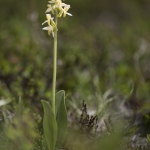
(50, 9)
(50, 30)
(61, 7)
(51, 24)
(54, 4)
(49, 20)
(64, 10)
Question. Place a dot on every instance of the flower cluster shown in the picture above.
(61, 8)
(51, 24)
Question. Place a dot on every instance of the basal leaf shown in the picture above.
(49, 126)
(61, 117)
(59, 97)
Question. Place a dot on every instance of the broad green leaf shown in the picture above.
(61, 117)
(60, 96)
(49, 126)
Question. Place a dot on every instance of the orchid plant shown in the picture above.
(55, 116)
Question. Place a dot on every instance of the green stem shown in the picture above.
(54, 65)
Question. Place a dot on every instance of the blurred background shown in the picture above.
(103, 47)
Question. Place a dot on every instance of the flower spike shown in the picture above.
(62, 10)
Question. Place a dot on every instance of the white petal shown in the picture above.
(53, 34)
(48, 16)
(51, 1)
(48, 9)
(49, 28)
(63, 4)
(44, 22)
(69, 14)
